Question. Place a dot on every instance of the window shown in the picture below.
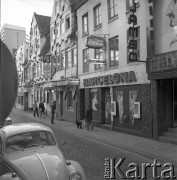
(85, 24)
(68, 58)
(85, 58)
(62, 59)
(74, 56)
(97, 15)
(58, 30)
(62, 26)
(98, 55)
(69, 99)
(114, 51)
(112, 8)
(67, 23)
(137, 39)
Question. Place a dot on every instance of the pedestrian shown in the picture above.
(88, 117)
(53, 108)
(35, 109)
(79, 121)
(42, 109)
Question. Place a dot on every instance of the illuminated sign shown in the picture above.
(95, 42)
(115, 78)
(133, 33)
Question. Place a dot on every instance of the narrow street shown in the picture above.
(89, 153)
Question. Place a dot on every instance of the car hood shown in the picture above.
(40, 164)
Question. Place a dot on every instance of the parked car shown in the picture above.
(29, 151)
(8, 121)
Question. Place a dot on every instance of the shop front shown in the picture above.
(66, 99)
(119, 102)
(162, 71)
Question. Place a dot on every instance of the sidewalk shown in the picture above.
(164, 152)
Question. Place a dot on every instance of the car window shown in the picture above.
(20, 142)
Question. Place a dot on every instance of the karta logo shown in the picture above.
(113, 169)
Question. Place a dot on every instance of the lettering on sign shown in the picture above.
(116, 78)
(95, 42)
(133, 33)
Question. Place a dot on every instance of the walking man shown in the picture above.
(88, 117)
(53, 108)
(35, 109)
(42, 109)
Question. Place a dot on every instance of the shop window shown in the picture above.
(69, 99)
(112, 8)
(47, 97)
(85, 24)
(74, 56)
(85, 60)
(67, 23)
(98, 55)
(114, 51)
(97, 16)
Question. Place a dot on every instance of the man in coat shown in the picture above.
(53, 108)
(88, 117)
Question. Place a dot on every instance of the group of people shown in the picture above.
(41, 109)
(87, 116)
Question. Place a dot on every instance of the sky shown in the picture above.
(20, 12)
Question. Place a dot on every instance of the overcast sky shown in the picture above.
(20, 12)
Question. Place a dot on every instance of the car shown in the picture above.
(8, 121)
(29, 151)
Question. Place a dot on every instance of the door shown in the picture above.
(107, 106)
(175, 102)
(26, 101)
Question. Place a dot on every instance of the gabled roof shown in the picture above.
(75, 4)
(43, 23)
(46, 46)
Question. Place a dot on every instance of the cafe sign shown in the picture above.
(95, 42)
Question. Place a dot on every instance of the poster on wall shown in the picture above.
(94, 93)
(107, 107)
(132, 98)
(120, 99)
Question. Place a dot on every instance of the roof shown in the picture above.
(43, 23)
(46, 46)
(23, 127)
(75, 4)
(10, 26)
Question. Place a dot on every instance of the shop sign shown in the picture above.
(96, 61)
(163, 62)
(133, 33)
(95, 42)
(116, 78)
(47, 71)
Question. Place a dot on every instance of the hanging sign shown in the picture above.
(96, 61)
(95, 42)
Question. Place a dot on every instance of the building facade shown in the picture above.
(13, 37)
(112, 52)
(64, 61)
(162, 67)
(20, 57)
(35, 78)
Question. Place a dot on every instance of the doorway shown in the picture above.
(107, 97)
(175, 102)
(61, 103)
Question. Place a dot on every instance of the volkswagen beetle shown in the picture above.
(29, 151)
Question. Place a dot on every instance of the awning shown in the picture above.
(67, 82)
(50, 85)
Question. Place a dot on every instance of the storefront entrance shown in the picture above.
(175, 102)
(107, 98)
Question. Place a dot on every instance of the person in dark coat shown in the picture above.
(35, 109)
(88, 117)
(42, 109)
(53, 108)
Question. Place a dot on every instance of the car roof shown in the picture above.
(22, 128)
